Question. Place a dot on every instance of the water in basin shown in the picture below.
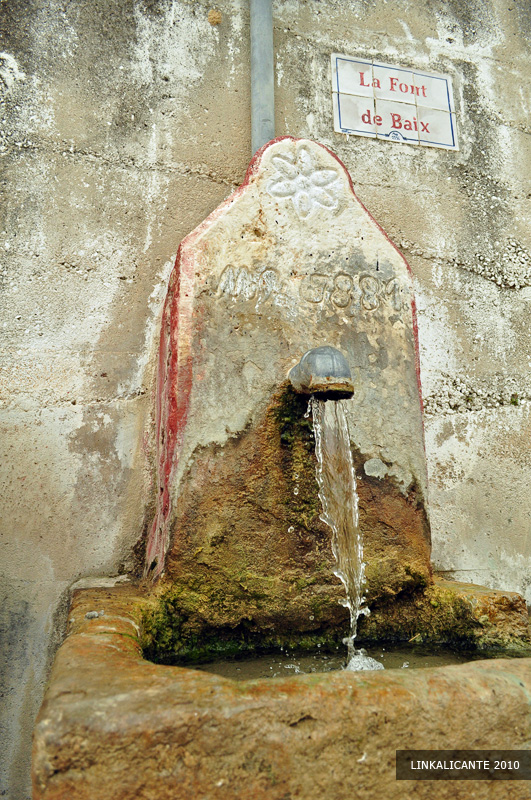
(285, 664)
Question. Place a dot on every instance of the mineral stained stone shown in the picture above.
(291, 261)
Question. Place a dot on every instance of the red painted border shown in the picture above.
(175, 364)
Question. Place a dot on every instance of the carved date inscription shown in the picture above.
(340, 291)
(343, 290)
(241, 282)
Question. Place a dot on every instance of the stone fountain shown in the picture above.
(237, 558)
(291, 261)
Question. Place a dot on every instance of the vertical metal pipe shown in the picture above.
(262, 74)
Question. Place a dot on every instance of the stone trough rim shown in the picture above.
(90, 701)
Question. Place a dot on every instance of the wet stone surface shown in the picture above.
(291, 261)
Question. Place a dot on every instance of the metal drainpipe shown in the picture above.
(262, 74)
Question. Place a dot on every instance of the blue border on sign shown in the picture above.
(437, 78)
(409, 140)
(368, 134)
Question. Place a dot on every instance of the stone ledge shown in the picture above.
(459, 614)
(502, 615)
(445, 612)
(113, 725)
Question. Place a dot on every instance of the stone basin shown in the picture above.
(114, 725)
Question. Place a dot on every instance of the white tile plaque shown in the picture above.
(383, 101)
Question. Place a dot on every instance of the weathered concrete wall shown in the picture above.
(123, 125)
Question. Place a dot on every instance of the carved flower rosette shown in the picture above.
(308, 186)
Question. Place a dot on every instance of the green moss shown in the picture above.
(437, 615)
(297, 452)
(170, 635)
(289, 413)
(319, 606)
(419, 580)
(387, 578)
(174, 632)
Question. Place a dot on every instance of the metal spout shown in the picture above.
(323, 372)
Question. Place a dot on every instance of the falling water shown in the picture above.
(339, 498)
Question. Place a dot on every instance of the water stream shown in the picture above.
(339, 498)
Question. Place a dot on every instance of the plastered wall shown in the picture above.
(124, 123)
